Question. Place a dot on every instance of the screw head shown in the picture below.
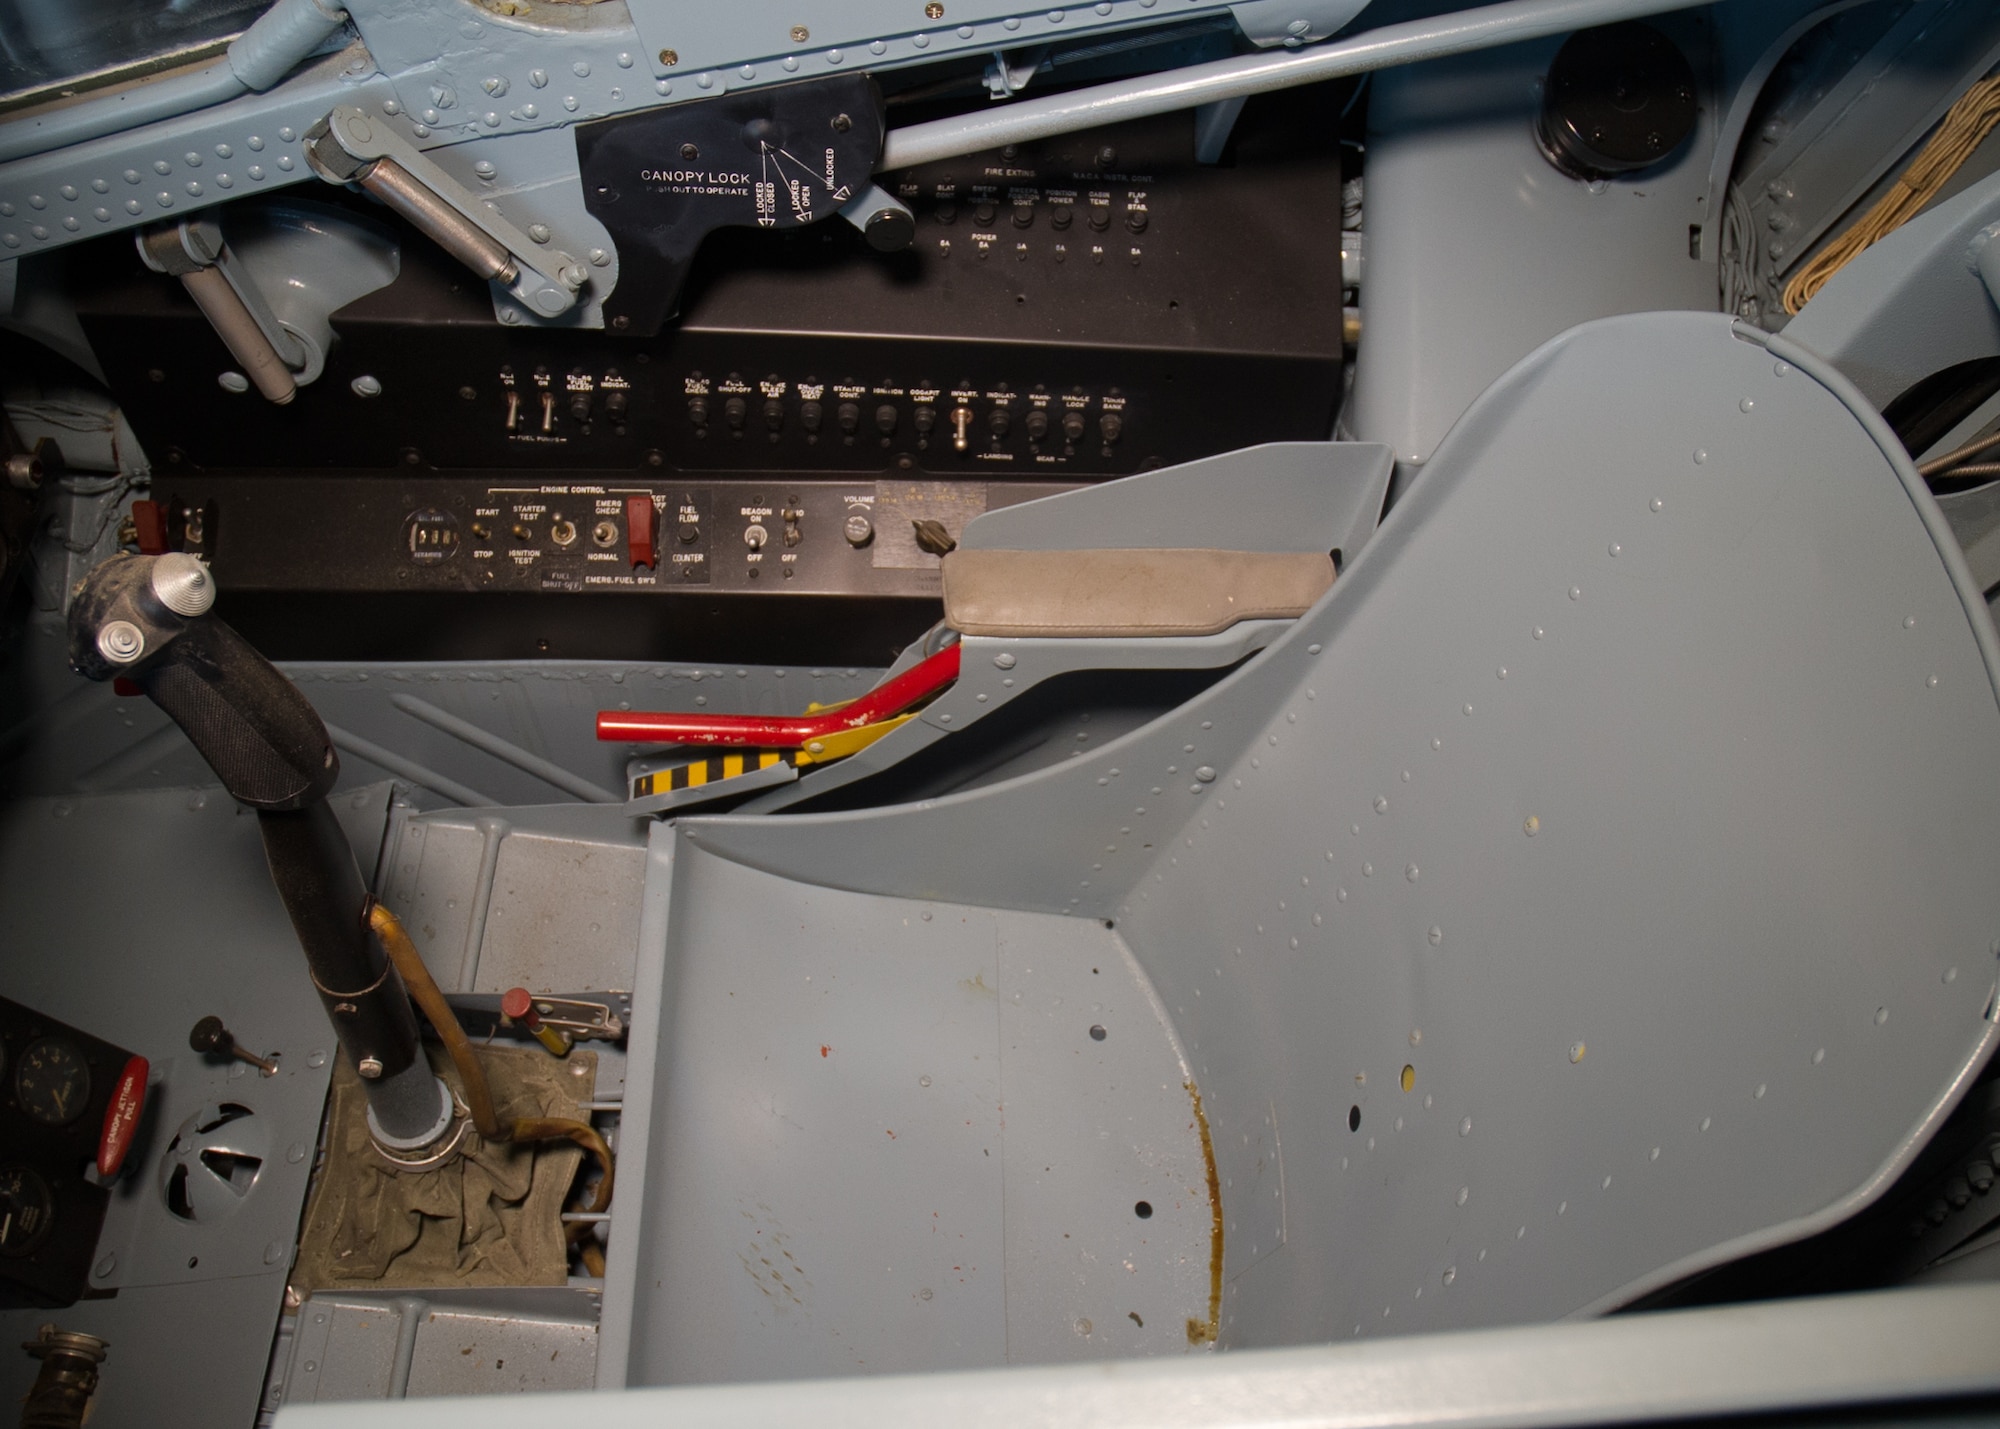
(369, 1067)
(121, 642)
(800, 34)
(934, 11)
(841, 124)
(670, 58)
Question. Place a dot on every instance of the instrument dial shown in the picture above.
(52, 1082)
(27, 1212)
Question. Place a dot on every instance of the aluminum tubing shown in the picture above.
(320, 885)
(1453, 34)
(282, 36)
(438, 220)
(240, 334)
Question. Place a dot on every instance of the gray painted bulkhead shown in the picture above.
(1662, 848)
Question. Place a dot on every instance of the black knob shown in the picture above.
(736, 412)
(774, 414)
(1099, 217)
(209, 1035)
(698, 411)
(924, 419)
(1111, 427)
(1072, 425)
(1024, 215)
(1037, 424)
(617, 402)
(848, 416)
(1061, 216)
(932, 537)
(890, 230)
(999, 421)
(1135, 219)
(810, 415)
(579, 407)
(946, 213)
(885, 418)
(984, 214)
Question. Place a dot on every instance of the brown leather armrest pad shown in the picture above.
(1139, 592)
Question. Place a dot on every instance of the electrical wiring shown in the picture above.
(1965, 125)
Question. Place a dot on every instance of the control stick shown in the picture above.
(146, 619)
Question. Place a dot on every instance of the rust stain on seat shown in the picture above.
(1203, 1332)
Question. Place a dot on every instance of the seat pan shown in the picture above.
(1637, 789)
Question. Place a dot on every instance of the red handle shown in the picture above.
(121, 1117)
(892, 697)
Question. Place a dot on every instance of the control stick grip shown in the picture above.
(261, 736)
(256, 730)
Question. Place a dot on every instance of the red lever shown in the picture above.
(121, 1118)
(892, 697)
(517, 1004)
(642, 527)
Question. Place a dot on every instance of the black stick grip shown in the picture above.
(259, 734)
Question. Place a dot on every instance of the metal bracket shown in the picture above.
(348, 148)
(1301, 22)
(193, 250)
(582, 1017)
(1008, 74)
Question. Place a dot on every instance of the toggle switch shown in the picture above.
(642, 528)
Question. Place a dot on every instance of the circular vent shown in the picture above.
(213, 1162)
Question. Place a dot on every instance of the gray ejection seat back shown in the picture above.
(1602, 880)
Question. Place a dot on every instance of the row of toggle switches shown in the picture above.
(960, 421)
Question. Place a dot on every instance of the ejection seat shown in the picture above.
(1593, 885)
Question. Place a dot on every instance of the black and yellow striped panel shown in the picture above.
(709, 771)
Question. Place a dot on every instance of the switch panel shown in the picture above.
(624, 568)
(1049, 288)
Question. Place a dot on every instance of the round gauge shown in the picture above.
(52, 1082)
(27, 1212)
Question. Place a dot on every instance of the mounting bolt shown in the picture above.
(369, 1067)
(800, 34)
(121, 642)
(934, 11)
(670, 58)
(841, 124)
